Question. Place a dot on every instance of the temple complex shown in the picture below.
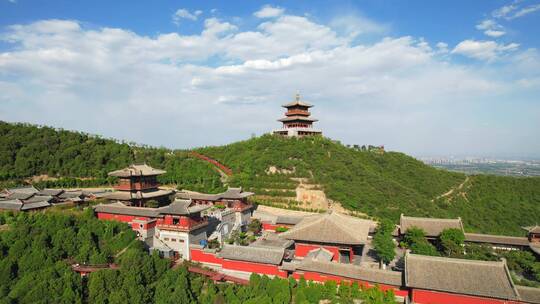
(137, 184)
(297, 120)
(320, 247)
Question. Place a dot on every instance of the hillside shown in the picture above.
(380, 185)
(73, 159)
(383, 185)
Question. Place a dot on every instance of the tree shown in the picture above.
(152, 204)
(415, 239)
(255, 226)
(384, 243)
(451, 241)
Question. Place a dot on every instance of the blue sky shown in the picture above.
(422, 77)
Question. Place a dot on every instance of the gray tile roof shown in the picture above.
(20, 195)
(137, 170)
(127, 195)
(50, 192)
(119, 208)
(379, 276)
(331, 227)
(431, 226)
(178, 207)
(36, 205)
(182, 207)
(71, 194)
(277, 219)
(469, 277)
(25, 189)
(496, 239)
(252, 254)
(320, 254)
(297, 117)
(231, 194)
(272, 240)
(529, 294)
(38, 198)
(288, 220)
(11, 204)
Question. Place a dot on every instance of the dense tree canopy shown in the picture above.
(81, 160)
(36, 251)
(383, 185)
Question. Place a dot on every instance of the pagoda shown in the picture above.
(297, 121)
(137, 184)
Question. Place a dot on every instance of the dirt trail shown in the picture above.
(451, 191)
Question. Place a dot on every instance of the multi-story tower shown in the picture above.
(137, 184)
(297, 120)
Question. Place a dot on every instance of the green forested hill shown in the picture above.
(385, 185)
(27, 150)
(380, 185)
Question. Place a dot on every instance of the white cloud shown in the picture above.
(185, 14)
(442, 47)
(525, 11)
(223, 84)
(494, 33)
(268, 11)
(504, 11)
(486, 25)
(353, 25)
(484, 50)
(514, 10)
(491, 28)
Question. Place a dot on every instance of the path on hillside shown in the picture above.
(451, 191)
(124, 249)
(223, 170)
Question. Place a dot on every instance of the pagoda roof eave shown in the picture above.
(297, 103)
(299, 118)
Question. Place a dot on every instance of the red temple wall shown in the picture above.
(198, 255)
(118, 217)
(420, 296)
(254, 267)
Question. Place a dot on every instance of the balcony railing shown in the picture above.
(136, 186)
(183, 227)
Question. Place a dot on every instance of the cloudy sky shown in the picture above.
(422, 77)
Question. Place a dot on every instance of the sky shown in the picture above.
(428, 78)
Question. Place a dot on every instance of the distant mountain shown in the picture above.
(379, 184)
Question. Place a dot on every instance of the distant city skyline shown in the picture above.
(423, 78)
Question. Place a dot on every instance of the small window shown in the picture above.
(181, 241)
(141, 226)
(175, 221)
(173, 240)
(166, 239)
